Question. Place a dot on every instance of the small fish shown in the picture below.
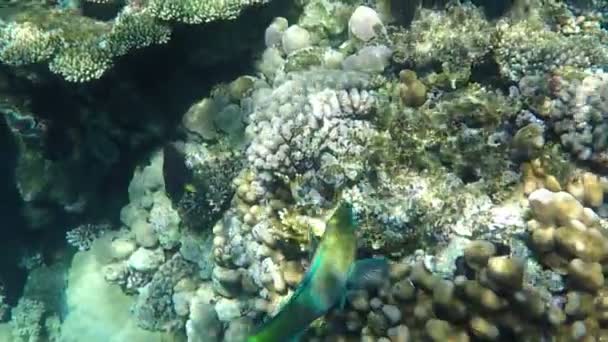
(333, 270)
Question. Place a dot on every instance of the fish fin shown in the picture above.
(342, 303)
(313, 243)
(366, 271)
(298, 336)
(305, 283)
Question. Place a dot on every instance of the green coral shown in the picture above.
(199, 11)
(453, 39)
(528, 47)
(305, 59)
(325, 19)
(458, 132)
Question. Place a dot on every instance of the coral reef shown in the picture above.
(528, 48)
(298, 124)
(82, 237)
(81, 48)
(27, 320)
(464, 131)
(76, 47)
(454, 39)
(573, 104)
(468, 138)
(199, 11)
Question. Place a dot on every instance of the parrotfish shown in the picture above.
(333, 271)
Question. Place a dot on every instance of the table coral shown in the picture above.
(199, 11)
(82, 49)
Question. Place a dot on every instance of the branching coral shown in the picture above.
(296, 125)
(199, 11)
(527, 48)
(82, 236)
(77, 48)
(82, 49)
(574, 106)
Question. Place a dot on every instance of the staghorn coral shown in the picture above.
(26, 43)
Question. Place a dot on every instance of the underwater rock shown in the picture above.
(370, 59)
(400, 333)
(274, 32)
(392, 313)
(203, 324)
(238, 329)
(227, 282)
(228, 309)
(122, 248)
(146, 260)
(295, 38)
(404, 290)
(483, 329)
(98, 310)
(144, 234)
(359, 300)
(364, 24)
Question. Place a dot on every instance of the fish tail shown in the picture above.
(291, 321)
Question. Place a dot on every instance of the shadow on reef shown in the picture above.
(98, 132)
(11, 276)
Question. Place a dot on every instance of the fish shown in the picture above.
(333, 270)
